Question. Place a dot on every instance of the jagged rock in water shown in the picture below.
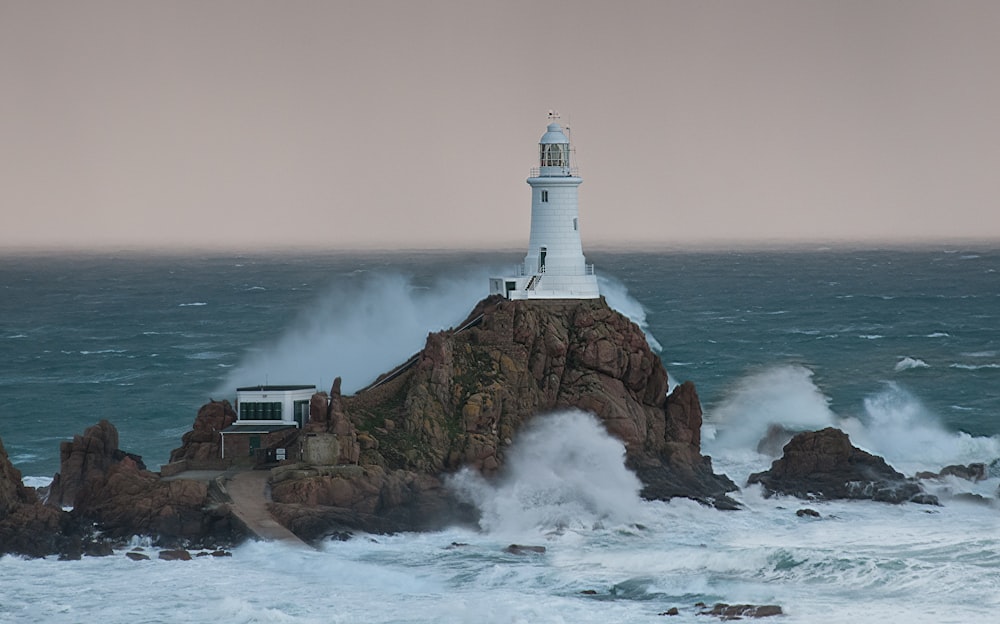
(735, 612)
(90, 454)
(27, 526)
(823, 464)
(462, 400)
(113, 490)
(972, 472)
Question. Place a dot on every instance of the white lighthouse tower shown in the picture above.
(554, 267)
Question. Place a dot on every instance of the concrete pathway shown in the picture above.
(248, 491)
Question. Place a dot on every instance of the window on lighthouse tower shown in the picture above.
(545, 196)
(554, 155)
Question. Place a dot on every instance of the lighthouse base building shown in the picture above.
(554, 267)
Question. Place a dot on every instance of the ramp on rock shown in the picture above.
(248, 492)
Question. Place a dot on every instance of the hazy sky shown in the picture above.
(136, 124)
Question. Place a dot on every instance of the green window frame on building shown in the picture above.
(300, 412)
(260, 410)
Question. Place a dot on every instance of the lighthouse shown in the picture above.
(554, 267)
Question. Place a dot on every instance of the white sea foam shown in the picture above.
(907, 363)
(192, 304)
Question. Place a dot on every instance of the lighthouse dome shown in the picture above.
(553, 134)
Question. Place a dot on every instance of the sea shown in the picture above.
(900, 348)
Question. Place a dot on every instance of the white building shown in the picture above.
(554, 267)
(267, 418)
(273, 405)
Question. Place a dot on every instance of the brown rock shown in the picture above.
(203, 444)
(518, 549)
(735, 612)
(823, 464)
(175, 555)
(28, 527)
(467, 393)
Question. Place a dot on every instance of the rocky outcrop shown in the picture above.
(725, 611)
(127, 500)
(824, 465)
(87, 455)
(203, 444)
(462, 400)
(112, 489)
(972, 472)
(28, 527)
(315, 501)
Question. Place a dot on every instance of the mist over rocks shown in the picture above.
(824, 465)
(461, 402)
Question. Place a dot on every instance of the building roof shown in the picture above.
(273, 388)
(243, 427)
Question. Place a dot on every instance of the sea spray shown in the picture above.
(900, 428)
(785, 396)
(563, 471)
(361, 328)
(618, 297)
(892, 423)
(367, 323)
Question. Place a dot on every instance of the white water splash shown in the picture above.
(361, 329)
(563, 470)
(897, 426)
(891, 423)
(784, 395)
(618, 297)
(908, 363)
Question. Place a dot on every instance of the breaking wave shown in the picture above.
(563, 471)
(360, 329)
(891, 422)
(907, 363)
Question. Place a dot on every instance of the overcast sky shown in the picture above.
(414, 124)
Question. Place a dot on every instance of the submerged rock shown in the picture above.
(972, 472)
(823, 464)
(735, 612)
(519, 549)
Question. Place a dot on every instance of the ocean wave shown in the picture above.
(974, 366)
(908, 363)
(13, 336)
(102, 351)
(194, 303)
(938, 335)
(871, 336)
(980, 354)
(206, 355)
